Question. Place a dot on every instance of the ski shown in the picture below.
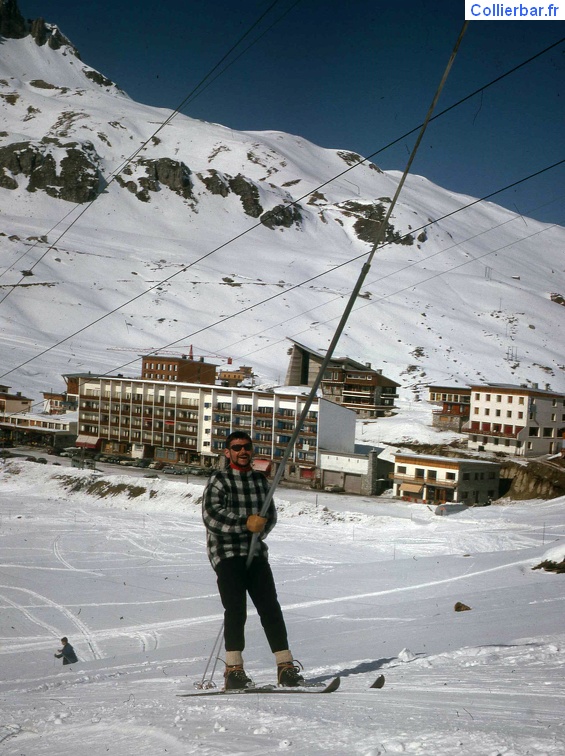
(329, 687)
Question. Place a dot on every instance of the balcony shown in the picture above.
(427, 481)
(508, 431)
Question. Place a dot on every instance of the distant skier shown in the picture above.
(67, 653)
(231, 504)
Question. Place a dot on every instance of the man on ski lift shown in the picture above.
(231, 504)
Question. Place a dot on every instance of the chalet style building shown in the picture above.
(10, 403)
(176, 422)
(519, 420)
(346, 382)
(437, 480)
(454, 406)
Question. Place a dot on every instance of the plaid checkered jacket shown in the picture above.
(228, 500)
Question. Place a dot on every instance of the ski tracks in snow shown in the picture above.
(68, 615)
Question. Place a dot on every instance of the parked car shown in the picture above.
(142, 463)
(197, 471)
(41, 460)
(170, 470)
(127, 462)
(156, 465)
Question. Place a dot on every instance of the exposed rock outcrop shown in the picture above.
(65, 171)
(281, 215)
(173, 174)
(370, 218)
(248, 194)
(534, 480)
(12, 23)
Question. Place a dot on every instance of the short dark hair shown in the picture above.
(64, 640)
(237, 434)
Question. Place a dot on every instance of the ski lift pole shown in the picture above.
(308, 403)
(353, 296)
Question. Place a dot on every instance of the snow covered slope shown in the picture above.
(119, 233)
(367, 586)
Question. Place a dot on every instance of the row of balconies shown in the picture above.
(424, 481)
(137, 400)
(507, 431)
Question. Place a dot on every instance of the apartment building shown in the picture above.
(454, 406)
(185, 369)
(183, 423)
(518, 420)
(436, 480)
(346, 382)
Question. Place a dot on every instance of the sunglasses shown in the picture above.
(238, 447)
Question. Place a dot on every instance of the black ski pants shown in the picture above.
(235, 580)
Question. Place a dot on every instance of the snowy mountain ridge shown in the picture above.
(192, 233)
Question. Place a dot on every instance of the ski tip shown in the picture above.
(379, 682)
(334, 684)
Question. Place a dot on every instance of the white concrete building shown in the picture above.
(518, 420)
(434, 479)
(183, 422)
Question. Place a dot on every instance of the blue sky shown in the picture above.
(353, 76)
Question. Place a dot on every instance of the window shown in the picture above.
(487, 397)
(420, 472)
(466, 476)
(498, 398)
(508, 413)
(510, 399)
(548, 432)
(401, 469)
(533, 432)
(450, 476)
(487, 411)
(432, 475)
(497, 413)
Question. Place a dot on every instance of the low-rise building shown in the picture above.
(10, 403)
(519, 420)
(364, 472)
(56, 403)
(235, 376)
(54, 432)
(436, 480)
(454, 406)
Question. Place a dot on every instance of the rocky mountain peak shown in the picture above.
(14, 26)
